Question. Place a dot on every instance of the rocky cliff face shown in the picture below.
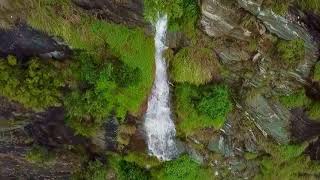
(127, 12)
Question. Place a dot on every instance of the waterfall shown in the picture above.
(159, 127)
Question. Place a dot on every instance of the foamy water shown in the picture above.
(159, 126)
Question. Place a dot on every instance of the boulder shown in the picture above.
(222, 18)
(270, 117)
(25, 42)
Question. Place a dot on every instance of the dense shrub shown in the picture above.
(184, 168)
(182, 14)
(96, 96)
(194, 65)
(200, 107)
(131, 171)
(36, 86)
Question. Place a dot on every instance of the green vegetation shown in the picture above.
(142, 159)
(40, 156)
(316, 74)
(99, 92)
(194, 65)
(299, 99)
(201, 107)
(94, 170)
(94, 36)
(286, 162)
(311, 5)
(131, 171)
(278, 6)
(184, 168)
(291, 51)
(37, 86)
(182, 14)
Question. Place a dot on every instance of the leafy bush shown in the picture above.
(131, 171)
(96, 97)
(194, 65)
(215, 102)
(199, 107)
(37, 86)
(184, 168)
(182, 14)
(291, 51)
(95, 170)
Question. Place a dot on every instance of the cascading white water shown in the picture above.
(159, 127)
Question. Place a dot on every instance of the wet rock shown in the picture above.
(231, 55)
(106, 138)
(302, 127)
(313, 150)
(221, 18)
(128, 12)
(288, 28)
(270, 117)
(50, 130)
(25, 42)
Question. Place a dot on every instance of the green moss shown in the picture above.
(316, 75)
(291, 51)
(184, 168)
(201, 107)
(279, 7)
(194, 65)
(40, 156)
(310, 5)
(142, 159)
(313, 110)
(298, 99)
(286, 162)
(94, 170)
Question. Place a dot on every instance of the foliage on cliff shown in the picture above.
(201, 107)
(36, 86)
(182, 14)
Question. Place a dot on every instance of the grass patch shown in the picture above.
(316, 74)
(94, 170)
(61, 18)
(194, 65)
(201, 107)
(40, 156)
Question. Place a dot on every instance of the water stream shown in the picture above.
(159, 126)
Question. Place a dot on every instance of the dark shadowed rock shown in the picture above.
(25, 42)
(313, 150)
(302, 127)
(127, 12)
(313, 90)
(50, 130)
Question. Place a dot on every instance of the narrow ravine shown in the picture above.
(159, 126)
